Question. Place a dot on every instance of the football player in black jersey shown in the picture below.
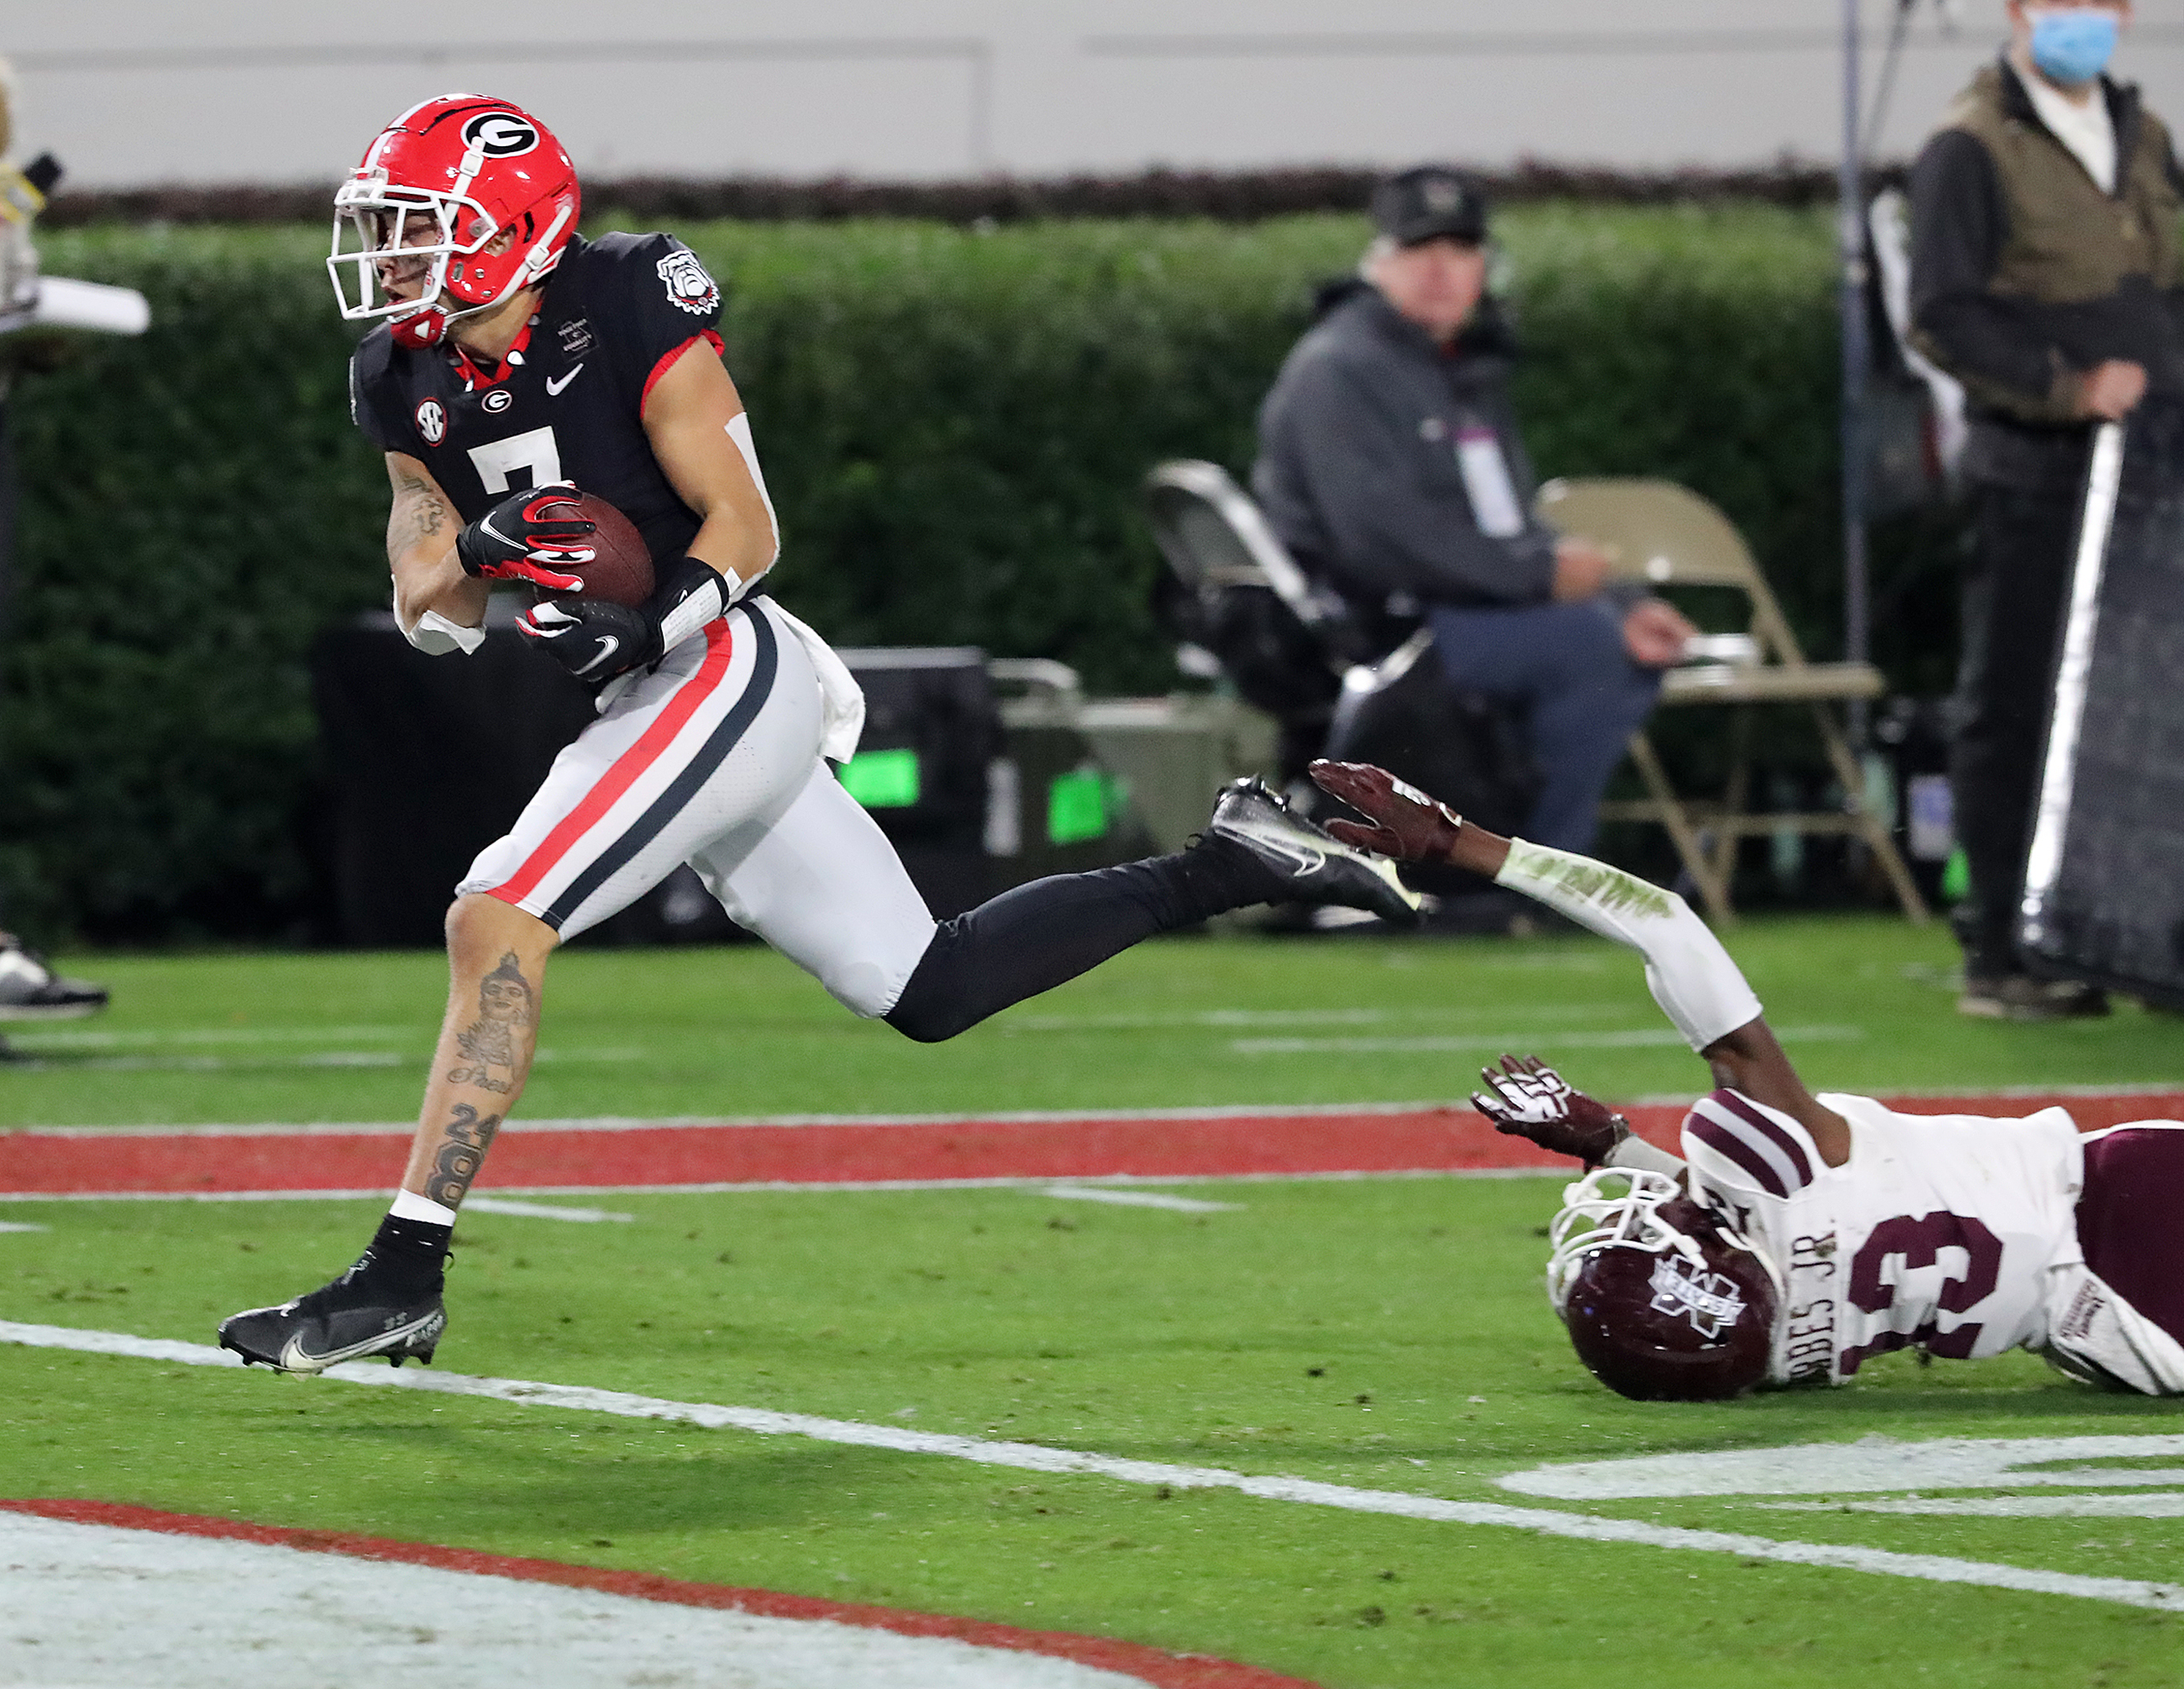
(516, 357)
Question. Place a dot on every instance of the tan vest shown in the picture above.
(2067, 241)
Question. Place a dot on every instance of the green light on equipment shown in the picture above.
(882, 779)
(1081, 805)
(1957, 877)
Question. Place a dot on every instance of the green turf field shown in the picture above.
(1385, 1333)
(1862, 1004)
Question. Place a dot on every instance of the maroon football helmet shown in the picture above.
(1662, 1301)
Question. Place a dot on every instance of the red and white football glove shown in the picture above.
(529, 536)
(1406, 824)
(1525, 1098)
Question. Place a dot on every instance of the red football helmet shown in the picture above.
(1662, 1301)
(439, 187)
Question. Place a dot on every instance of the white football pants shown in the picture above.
(713, 759)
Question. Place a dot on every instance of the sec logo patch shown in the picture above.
(431, 421)
(499, 399)
(688, 285)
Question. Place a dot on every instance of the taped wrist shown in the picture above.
(436, 636)
(690, 594)
(1690, 974)
(1634, 1154)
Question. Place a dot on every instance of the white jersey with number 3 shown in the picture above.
(1942, 1232)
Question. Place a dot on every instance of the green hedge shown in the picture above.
(954, 423)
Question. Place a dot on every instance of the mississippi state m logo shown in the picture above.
(687, 284)
(1710, 1300)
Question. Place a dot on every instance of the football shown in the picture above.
(621, 573)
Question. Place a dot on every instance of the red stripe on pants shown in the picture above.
(720, 647)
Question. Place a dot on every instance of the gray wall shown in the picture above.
(131, 92)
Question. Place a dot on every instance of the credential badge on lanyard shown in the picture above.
(1486, 481)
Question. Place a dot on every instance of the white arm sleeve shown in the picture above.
(1635, 1153)
(436, 636)
(1690, 974)
(739, 432)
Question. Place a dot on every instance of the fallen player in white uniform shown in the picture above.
(1802, 1235)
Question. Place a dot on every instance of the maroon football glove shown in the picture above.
(1526, 1098)
(529, 536)
(1408, 825)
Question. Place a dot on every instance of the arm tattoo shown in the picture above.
(506, 1005)
(419, 513)
(466, 1138)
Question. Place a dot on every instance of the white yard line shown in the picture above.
(2160, 1504)
(17, 1226)
(633, 1123)
(1247, 1111)
(800, 1186)
(1136, 1199)
(1038, 1457)
(538, 1211)
(1633, 1038)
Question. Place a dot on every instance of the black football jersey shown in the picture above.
(567, 402)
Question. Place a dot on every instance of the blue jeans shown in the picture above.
(1566, 661)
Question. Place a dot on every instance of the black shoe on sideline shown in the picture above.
(31, 991)
(1312, 867)
(360, 1314)
(2020, 997)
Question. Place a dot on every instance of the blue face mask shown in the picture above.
(2074, 46)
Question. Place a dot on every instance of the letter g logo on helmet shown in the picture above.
(499, 134)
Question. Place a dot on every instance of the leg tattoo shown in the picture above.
(465, 1140)
(506, 1002)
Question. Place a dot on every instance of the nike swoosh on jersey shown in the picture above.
(554, 387)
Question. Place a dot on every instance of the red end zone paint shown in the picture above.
(1156, 1666)
(1177, 1145)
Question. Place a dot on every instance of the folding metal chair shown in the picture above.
(1666, 536)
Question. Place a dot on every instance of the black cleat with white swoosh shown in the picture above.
(362, 1313)
(1313, 867)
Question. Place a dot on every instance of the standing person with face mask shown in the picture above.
(2044, 277)
(1390, 465)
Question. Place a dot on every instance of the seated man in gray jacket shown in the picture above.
(1390, 464)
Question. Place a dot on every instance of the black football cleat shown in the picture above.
(31, 991)
(1314, 868)
(359, 1315)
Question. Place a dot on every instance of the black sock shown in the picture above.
(409, 1254)
(1031, 938)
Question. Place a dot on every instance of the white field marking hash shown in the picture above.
(1231, 1019)
(1039, 1457)
(18, 1226)
(1136, 1199)
(36, 1061)
(219, 1034)
(539, 1211)
(1633, 1038)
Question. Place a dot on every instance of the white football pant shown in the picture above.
(713, 759)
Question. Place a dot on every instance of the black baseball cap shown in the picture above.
(1430, 202)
